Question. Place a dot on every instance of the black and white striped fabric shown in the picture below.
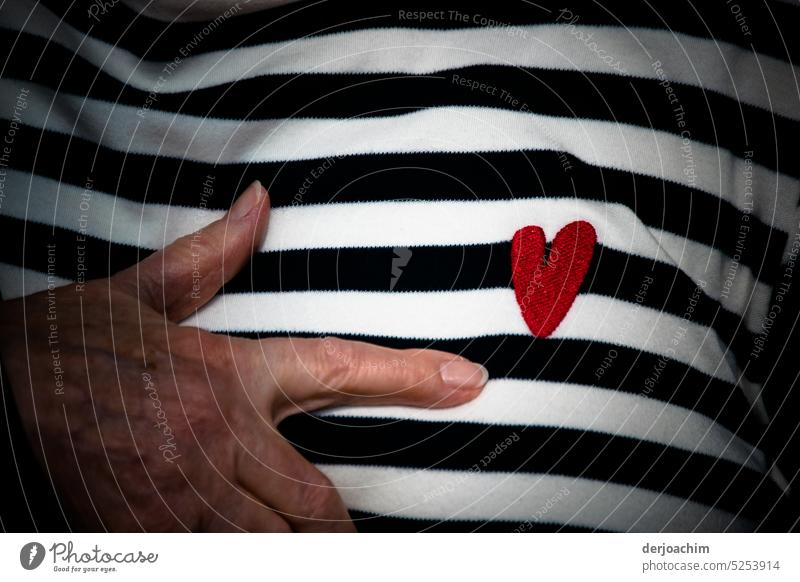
(402, 151)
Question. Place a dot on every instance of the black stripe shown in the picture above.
(532, 449)
(75, 256)
(371, 522)
(581, 362)
(714, 20)
(707, 116)
(429, 177)
(625, 277)
(367, 522)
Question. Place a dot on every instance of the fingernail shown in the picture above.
(464, 375)
(249, 200)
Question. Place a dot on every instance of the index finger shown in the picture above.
(310, 374)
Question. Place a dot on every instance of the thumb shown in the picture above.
(186, 274)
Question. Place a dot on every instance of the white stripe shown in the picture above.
(390, 224)
(605, 144)
(437, 494)
(759, 80)
(564, 405)
(464, 314)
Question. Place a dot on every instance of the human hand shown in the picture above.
(144, 424)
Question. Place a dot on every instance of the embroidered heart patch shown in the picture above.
(546, 287)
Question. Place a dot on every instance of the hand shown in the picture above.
(148, 425)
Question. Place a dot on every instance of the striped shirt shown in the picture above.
(403, 145)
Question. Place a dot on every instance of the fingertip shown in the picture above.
(264, 199)
(457, 382)
(249, 201)
(263, 216)
(252, 209)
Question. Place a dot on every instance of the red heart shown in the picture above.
(546, 289)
